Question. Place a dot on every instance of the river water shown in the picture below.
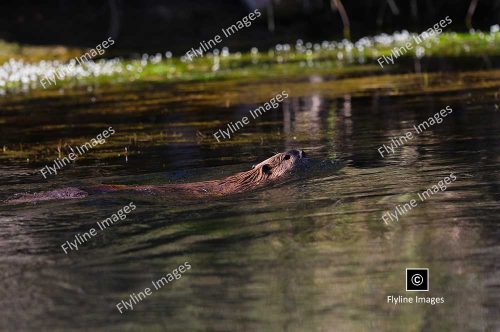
(313, 254)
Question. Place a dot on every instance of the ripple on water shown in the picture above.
(307, 254)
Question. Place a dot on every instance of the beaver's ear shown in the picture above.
(266, 169)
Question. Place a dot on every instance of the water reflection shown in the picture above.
(307, 255)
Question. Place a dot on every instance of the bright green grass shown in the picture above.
(268, 64)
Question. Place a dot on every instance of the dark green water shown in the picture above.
(309, 255)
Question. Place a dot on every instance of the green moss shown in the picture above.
(339, 59)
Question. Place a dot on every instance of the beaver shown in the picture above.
(277, 168)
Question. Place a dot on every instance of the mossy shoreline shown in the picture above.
(23, 66)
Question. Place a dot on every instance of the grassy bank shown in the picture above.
(24, 66)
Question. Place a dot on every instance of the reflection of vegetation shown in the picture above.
(128, 107)
(283, 60)
(35, 53)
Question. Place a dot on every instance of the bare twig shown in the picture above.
(470, 13)
(270, 16)
(414, 9)
(381, 13)
(394, 7)
(343, 15)
(114, 24)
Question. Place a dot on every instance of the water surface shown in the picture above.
(309, 255)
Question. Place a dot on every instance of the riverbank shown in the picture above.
(24, 66)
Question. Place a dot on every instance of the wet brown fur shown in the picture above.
(271, 170)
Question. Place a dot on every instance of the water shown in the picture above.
(309, 255)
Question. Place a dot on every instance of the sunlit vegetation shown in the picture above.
(25, 68)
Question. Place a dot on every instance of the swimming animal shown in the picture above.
(272, 170)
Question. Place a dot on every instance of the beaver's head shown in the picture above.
(280, 164)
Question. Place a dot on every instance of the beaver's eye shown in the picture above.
(266, 169)
(287, 157)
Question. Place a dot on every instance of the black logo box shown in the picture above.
(417, 279)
